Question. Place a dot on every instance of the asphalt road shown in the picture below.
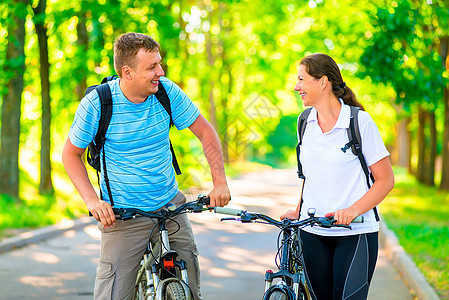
(233, 256)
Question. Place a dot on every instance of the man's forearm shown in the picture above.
(214, 155)
(77, 173)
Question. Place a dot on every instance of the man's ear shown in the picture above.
(126, 72)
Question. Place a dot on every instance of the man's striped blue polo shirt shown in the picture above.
(137, 147)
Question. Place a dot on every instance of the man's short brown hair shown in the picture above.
(126, 47)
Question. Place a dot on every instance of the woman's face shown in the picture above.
(308, 87)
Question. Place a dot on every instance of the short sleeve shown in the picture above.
(373, 147)
(85, 123)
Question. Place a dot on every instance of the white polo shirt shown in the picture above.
(334, 179)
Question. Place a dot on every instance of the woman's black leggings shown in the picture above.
(339, 267)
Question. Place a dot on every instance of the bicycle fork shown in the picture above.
(157, 271)
(283, 273)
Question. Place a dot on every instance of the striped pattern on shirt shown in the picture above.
(138, 157)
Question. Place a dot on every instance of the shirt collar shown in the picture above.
(343, 116)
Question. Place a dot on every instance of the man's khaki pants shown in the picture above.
(123, 245)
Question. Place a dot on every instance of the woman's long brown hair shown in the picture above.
(319, 65)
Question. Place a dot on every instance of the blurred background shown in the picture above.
(238, 62)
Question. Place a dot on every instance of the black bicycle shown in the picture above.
(158, 278)
(291, 283)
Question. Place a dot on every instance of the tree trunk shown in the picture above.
(82, 43)
(401, 153)
(11, 108)
(182, 50)
(429, 178)
(226, 87)
(211, 84)
(46, 184)
(420, 172)
(409, 140)
(444, 185)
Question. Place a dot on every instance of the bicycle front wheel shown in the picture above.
(278, 295)
(174, 291)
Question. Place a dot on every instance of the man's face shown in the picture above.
(146, 72)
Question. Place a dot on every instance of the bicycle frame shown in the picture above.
(292, 276)
(159, 263)
(293, 282)
(149, 267)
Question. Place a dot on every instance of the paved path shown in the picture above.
(233, 259)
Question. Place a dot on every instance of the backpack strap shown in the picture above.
(355, 143)
(162, 96)
(104, 93)
(302, 122)
(109, 78)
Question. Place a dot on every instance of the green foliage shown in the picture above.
(237, 52)
(402, 39)
(418, 215)
(277, 147)
(35, 210)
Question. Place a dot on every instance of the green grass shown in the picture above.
(32, 210)
(419, 215)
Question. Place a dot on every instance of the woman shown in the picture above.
(339, 263)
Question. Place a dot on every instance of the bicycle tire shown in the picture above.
(174, 291)
(278, 295)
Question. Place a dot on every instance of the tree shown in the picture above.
(444, 184)
(403, 39)
(45, 185)
(13, 69)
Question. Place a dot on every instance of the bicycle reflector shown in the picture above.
(169, 263)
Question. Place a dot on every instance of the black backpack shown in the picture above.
(355, 143)
(94, 148)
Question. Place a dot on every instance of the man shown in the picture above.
(138, 163)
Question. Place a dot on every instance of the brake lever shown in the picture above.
(325, 222)
(229, 219)
(124, 214)
(344, 226)
(338, 225)
(196, 208)
(247, 218)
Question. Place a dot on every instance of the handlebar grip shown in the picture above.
(228, 211)
(358, 219)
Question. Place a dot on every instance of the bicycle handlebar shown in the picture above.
(167, 212)
(247, 217)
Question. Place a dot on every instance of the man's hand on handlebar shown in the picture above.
(102, 212)
(219, 196)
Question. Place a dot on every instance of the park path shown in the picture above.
(233, 256)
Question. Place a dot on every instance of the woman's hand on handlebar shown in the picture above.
(291, 215)
(219, 196)
(343, 216)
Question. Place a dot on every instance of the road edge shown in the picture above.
(405, 265)
(40, 234)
